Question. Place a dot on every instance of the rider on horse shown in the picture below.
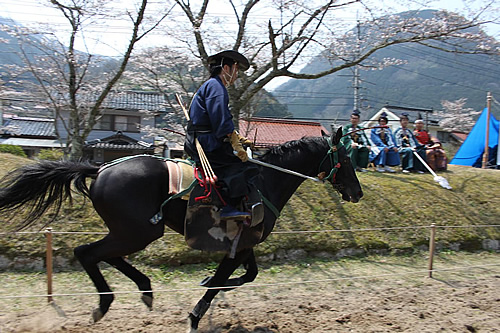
(211, 123)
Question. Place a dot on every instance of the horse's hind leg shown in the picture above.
(141, 280)
(86, 254)
(109, 248)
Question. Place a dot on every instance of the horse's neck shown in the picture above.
(279, 186)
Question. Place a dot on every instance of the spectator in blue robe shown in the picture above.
(384, 152)
(211, 123)
(407, 144)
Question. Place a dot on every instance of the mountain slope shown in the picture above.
(427, 77)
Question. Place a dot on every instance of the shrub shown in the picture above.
(11, 149)
(50, 154)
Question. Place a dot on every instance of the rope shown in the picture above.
(278, 232)
(379, 229)
(256, 285)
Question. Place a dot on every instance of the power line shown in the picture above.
(438, 79)
(447, 64)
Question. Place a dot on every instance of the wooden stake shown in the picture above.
(48, 263)
(487, 140)
(431, 248)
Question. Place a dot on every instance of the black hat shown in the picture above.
(242, 61)
(404, 115)
(383, 115)
(355, 112)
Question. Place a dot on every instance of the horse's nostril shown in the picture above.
(360, 194)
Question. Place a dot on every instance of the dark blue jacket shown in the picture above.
(209, 109)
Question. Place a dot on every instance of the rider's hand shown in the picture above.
(237, 146)
(244, 141)
(242, 155)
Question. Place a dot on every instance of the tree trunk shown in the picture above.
(76, 149)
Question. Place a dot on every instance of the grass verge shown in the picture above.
(390, 200)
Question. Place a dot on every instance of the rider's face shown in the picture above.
(230, 74)
(354, 120)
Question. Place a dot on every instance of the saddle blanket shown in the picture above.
(180, 176)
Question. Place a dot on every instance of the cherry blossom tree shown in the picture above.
(75, 84)
(169, 72)
(298, 30)
(455, 117)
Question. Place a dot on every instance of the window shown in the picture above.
(119, 123)
(443, 136)
(105, 123)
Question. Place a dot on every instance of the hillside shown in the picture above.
(390, 201)
(427, 77)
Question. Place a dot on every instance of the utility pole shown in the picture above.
(487, 141)
(356, 81)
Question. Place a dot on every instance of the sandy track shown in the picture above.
(426, 306)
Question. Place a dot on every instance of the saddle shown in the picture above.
(203, 228)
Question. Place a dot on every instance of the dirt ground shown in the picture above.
(450, 302)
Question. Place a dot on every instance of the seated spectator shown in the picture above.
(436, 157)
(384, 152)
(356, 143)
(407, 144)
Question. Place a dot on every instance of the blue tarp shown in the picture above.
(471, 151)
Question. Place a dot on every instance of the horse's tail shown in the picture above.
(39, 186)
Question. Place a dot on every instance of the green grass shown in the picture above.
(390, 200)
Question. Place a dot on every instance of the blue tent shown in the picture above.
(471, 151)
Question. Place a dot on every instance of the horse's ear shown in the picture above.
(337, 137)
(323, 134)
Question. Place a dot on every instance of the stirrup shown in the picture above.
(229, 212)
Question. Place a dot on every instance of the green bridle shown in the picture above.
(333, 156)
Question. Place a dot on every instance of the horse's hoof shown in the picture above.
(192, 323)
(97, 315)
(148, 300)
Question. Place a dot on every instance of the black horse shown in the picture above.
(128, 194)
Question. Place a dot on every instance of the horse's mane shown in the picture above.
(289, 150)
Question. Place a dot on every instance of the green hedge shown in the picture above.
(11, 149)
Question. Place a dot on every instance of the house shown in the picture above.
(30, 133)
(120, 130)
(270, 132)
(115, 146)
(394, 112)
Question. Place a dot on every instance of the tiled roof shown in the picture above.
(135, 100)
(414, 113)
(29, 127)
(39, 143)
(114, 146)
(394, 113)
(119, 141)
(270, 132)
(460, 136)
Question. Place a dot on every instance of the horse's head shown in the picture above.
(336, 168)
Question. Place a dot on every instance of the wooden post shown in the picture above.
(431, 248)
(487, 140)
(48, 263)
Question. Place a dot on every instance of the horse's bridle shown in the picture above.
(333, 155)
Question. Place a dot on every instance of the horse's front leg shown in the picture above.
(220, 279)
